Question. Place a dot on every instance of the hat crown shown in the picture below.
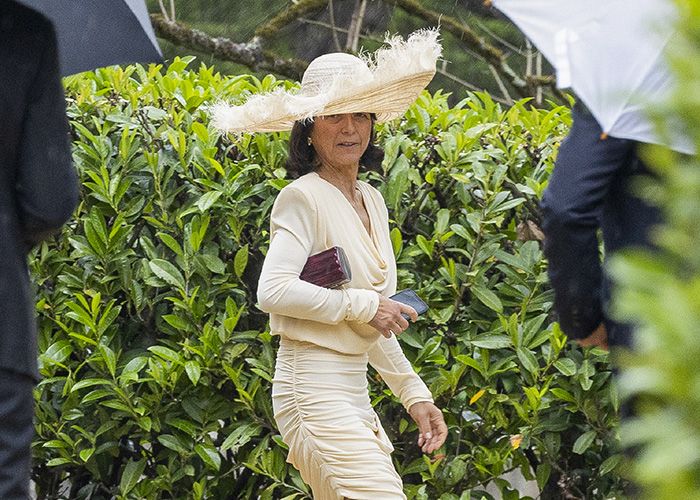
(332, 69)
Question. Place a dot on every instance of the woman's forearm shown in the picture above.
(280, 291)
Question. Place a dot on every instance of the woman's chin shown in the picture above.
(348, 158)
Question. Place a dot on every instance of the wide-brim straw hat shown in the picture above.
(385, 83)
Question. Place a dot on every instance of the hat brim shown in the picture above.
(387, 102)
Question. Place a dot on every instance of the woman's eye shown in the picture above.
(363, 116)
(333, 118)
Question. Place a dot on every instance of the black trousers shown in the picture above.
(16, 432)
(592, 188)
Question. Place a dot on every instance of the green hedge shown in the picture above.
(157, 364)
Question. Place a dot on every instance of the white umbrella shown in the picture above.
(611, 53)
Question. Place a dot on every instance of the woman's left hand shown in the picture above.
(431, 426)
(388, 320)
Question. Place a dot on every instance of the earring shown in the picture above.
(308, 141)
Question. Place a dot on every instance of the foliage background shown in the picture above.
(660, 291)
(157, 364)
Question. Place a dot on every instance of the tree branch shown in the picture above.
(538, 72)
(163, 10)
(469, 86)
(358, 16)
(334, 29)
(491, 54)
(500, 84)
(495, 36)
(249, 54)
(330, 26)
(301, 8)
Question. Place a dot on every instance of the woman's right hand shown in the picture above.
(388, 320)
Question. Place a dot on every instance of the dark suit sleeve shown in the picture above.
(572, 207)
(46, 183)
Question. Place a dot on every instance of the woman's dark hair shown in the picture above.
(302, 157)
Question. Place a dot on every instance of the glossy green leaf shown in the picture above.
(240, 261)
(584, 441)
(209, 456)
(193, 371)
(167, 272)
(488, 298)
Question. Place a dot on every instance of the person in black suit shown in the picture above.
(38, 192)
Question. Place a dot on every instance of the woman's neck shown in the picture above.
(345, 178)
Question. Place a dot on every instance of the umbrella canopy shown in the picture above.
(611, 53)
(96, 33)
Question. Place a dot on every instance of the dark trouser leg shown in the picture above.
(16, 432)
(572, 208)
(626, 223)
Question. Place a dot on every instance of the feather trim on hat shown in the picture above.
(405, 57)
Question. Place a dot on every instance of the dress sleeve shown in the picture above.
(293, 228)
(387, 357)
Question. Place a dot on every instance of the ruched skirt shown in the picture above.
(322, 408)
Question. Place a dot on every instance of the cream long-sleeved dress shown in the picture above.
(320, 386)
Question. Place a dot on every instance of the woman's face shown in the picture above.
(341, 140)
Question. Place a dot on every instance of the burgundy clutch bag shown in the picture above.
(329, 269)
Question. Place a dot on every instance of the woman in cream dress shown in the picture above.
(328, 337)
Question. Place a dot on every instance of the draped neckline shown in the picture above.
(369, 236)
